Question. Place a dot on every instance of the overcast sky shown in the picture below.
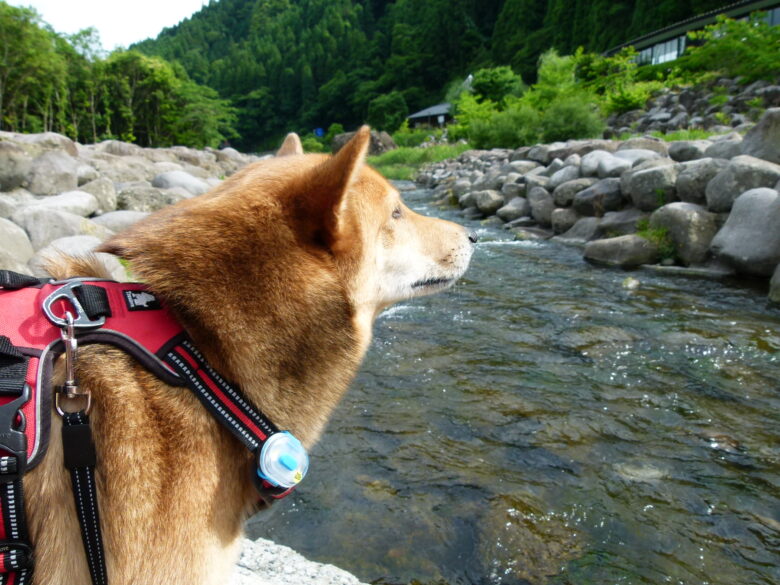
(119, 23)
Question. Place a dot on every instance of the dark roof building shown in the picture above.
(437, 115)
(668, 43)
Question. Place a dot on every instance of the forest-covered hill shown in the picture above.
(308, 63)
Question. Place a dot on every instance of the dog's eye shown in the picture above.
(397, 213)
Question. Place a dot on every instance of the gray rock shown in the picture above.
(646, 143)
(590, 162)
(523, 166)
(685, 150)
(46, 225)
(141, 196)
(515, 209)
(118, 148)
(542, 205)
(742, 174)
(623, 251)
(541, 152)
(13, 200)
(763, 140)
(75, 246)
(117, 221)
(104, 192)
(15, 165)
(562, 176)
(15, 246)
(86, 173)
(460, 187)
(690, 227)
(53, 172)
(488, 201)
(264, 563)
(564, 194)
(48, 141)
(532, 181)
(612, 166)
(598, 199)
(555, 166)
(620, 223)
(695, 176)
(750, 239)
(637, 155)
(563, 219)
(512, 190)
(727, 148)
(78, 202)
(584, 230)
(466, 200)
(651, 188)
(173, 179)
(774, 287)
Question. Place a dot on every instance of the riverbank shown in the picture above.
(701, 207)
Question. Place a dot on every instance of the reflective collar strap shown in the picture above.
(226, 403)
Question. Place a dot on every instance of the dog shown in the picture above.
(277, 274)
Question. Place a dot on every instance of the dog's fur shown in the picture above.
(278, 274)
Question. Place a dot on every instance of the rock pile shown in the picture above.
(57, 195)
(720, 105)
(706, 206)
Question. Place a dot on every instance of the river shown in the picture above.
(543, 423)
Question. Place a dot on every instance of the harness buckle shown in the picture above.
(12, 437)
(66, 292)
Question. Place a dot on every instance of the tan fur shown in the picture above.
(277, 274)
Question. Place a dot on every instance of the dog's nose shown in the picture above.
(473, 237)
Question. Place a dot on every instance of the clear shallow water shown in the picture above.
(540, 423)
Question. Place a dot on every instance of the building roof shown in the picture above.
(437, 110)
(734, 10)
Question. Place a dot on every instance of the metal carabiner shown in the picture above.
(70, 389)
(66, 292)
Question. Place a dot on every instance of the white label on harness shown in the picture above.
(141, 300)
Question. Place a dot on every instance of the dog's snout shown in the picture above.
(473, 237)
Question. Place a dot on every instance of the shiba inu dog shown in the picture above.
(277, 274)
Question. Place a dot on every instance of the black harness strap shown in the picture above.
(80, 458)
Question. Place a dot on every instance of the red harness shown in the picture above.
(33, 331)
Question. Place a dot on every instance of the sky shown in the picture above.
(119, 23)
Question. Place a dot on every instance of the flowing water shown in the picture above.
(541, 423)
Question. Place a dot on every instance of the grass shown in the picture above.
(658, 236)
(404, 163)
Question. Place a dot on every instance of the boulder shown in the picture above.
(13, 200)
(695, 176)
(623, 251)
(763, 140)
(511, 191)
(584, 230)
(523, 166)
(685, 150)
(555, 166)
(743, 173)
(563, 219)
(651, 188)
(15, 165)
(105, 193)
(48, 141)
(15, 247)
(515, 209)
(646, 143)
(728, 147)
(690, 227)
(620, 223)
(750, 239)
(141, 196)
(612, 166)
(542, 205)
(598, 199)
(117, 221)
(172, 179)
(53, 172)
(488, 201)
(118, 148)
(78, 202)
(564, 194)
(590, 162)
(637, 155)
(75, 246)
(774, 286)
(562, 176)
(381, 142)
(46, 225)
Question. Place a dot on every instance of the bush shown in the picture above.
(571, 117)
(387, 112)
(415, 137)
(516, 126)
(496, 83)
(311, 143)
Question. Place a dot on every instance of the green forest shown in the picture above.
(250, 70)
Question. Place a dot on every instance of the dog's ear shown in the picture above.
(291, 145)
(321, 207)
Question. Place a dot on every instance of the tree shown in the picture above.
(497, 82)
(388, 112)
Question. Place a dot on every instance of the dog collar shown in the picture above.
(131, 317)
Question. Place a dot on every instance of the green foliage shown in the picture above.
(403, 163)
(659, 236)
(387, 112)
(735, 48)
(692, 134)
(311, 143)
(571, 117)
(406, 136)
(495, 83)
